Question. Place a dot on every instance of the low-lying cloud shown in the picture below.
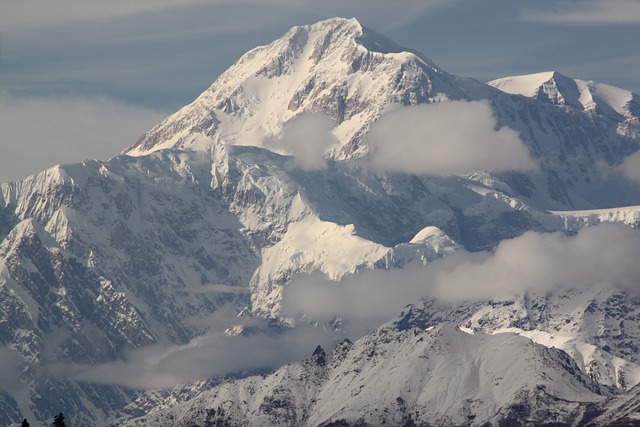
(210, 355)
(600, 255)
(630, 167)
(590, 12)
(216, 289)
(447, 138)
(38, 133)
(10, 362)
(307, 138)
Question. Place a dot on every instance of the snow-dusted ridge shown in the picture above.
(442, 376)
(589, 96)
(596, 326)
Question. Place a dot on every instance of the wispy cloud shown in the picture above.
(24, 14)
(307, 138)
(532, 262)
(21, 14)
(38, 133)
(589, 12)
(217, 289)
(213, 354)
(10, 362)
(630, 167)
(447, 138)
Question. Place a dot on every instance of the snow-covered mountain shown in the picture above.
(345, 71)
(209, 210)
(619, 411)
(102, 257)
(413, 377)
(335, 67)
(596, 326)
(592, 97)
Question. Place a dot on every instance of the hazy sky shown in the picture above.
(82, 79)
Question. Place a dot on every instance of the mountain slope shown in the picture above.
(105, 257)
(596, 326)
(402, 378)
(130, 246)
(552, 87)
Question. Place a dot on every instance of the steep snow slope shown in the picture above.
(129, 248)
(437, 376)
(125, 245)
(620, 411)
(617, 104)
(597, 326)
(335, 67)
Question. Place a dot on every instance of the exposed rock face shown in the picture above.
(108, 256)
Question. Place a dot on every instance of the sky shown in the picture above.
(84, 79)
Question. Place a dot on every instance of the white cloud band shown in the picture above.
(448, 138)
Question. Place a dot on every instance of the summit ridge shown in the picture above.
(337, 68)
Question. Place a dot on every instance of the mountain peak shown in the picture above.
(364, 36)
(337, 68)
(546, 84)
(555, 88)
(334, 24)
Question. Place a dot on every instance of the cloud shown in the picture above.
(38, 133)
(206, 357)
(364, 301)
(21, 14)
(210, 355)
(18, 14)
(630, 167)
(11, 365)
(540, 262)
(604, 254)
(590, 12)
(447, 138)
(307, 137)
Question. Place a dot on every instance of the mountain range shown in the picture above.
(328, 185)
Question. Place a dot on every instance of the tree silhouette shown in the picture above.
(58, 420)
(25, 423)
